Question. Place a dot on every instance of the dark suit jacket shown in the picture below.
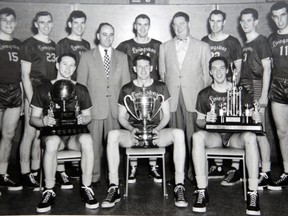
(191, 78)
(104, 92)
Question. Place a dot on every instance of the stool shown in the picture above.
(62, 156)
(229, 153)
(134, 153)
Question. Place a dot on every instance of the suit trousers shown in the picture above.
(99, 129)
(186, 121)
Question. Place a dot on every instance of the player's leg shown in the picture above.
(9, 119)
(116, 138)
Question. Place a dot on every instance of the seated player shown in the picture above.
(217, 94)
(128, 137)
(40, 118)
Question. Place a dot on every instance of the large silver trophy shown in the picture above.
(63, 93)
(144, 109)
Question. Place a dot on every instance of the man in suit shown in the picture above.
(183, 65)
(104, 71)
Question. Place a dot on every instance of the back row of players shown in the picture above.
(181, 62)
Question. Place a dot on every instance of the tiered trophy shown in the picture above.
(235, 119)
(142, 106)
(63, 93)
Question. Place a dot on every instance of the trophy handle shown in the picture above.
(127, 107)
(155, 99)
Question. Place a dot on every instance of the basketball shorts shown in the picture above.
(10, 95)
(279, 90)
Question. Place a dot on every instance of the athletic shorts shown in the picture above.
(254, 88)
(279, 90)
(10, 96)
(225, 138)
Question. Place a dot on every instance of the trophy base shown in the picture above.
(66, 130)
(232, 127)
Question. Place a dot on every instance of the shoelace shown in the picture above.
(230, 175)
(282, 178)
(201, 195)
(32, 179)
(253, 197)
(133, 171)
(154, 169)
(179, 190)
(47, 194)
(111, 192)
(262, 177)
(89, 192)
(64, 177)
(7, 179)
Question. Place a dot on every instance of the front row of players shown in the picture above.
(127, 137)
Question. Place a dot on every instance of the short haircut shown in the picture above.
(181, 14)
(104, 24)
(60, 57)
(218, 58)
(141, 57)
(250, 11)
(7, 11)
(218, 12)
(142, 16)
(77, 14)
(278, 6)
(42, 13)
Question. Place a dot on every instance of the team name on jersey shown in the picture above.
(246, 49)
(45, 48)
(214, 48)
(12, 46)
(279, 42)
(78, 47)
(217, 99)
(143, 50)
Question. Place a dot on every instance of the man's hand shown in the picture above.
(257, 117)
(263, 101)
(211, 117)
(48, 121)
(155, 138)
(134, 136)
(80, 119)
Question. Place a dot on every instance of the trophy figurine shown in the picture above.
(63, 94)
(142, 106)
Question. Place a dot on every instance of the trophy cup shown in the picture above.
(142, 106)
(62, 94)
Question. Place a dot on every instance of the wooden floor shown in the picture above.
(146, 198)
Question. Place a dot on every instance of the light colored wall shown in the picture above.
(122, 18)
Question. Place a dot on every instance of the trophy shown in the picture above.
(142, 106)
(62, 94)
(234, 103)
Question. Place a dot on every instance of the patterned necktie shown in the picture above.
(106, 62)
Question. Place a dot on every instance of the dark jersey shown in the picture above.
(42, 57)
(10, 71)
(279, 46)
(41, 98)
(208, 95)
(153, 90)
(133, 49)
(67, 45)
(230, 48)
(253, 53)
